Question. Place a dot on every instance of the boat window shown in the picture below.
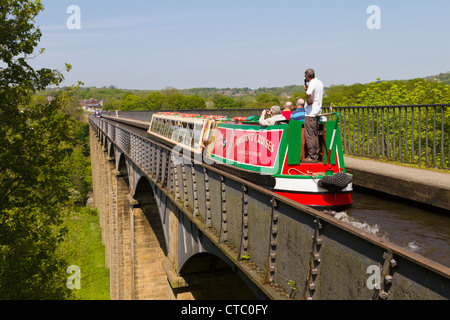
(171, 126)
(152, 126)
(155, 126)
(207, 133)
(212, 129)
(182, 130)
(174, 134)
(197, 135)
(163, 123)
(166, 128)
(188, 138)
(159, 127)
(155, 129)
(163, 127)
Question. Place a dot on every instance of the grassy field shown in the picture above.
(83, 248)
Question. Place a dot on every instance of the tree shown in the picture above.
(195, 102)
(35, 143)
(156, 101)
(266, 100)
(132, 102)
(227, 102)
(177, 101)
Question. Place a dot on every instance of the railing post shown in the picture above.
(442, 139)
(434, 136)
(426, 136)
(420, 137)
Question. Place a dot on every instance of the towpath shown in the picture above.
(421, 185)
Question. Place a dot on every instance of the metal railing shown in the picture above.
(413, 134)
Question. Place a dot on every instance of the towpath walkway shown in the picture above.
(421, 185)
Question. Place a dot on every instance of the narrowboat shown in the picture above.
(271, 156)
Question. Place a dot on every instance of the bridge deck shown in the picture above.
(421, 185)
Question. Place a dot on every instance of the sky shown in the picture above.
(154, 44)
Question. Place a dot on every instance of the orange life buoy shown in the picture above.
(240, 118)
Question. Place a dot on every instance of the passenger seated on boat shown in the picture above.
(299, 113)
(275, 116)
(287, 110)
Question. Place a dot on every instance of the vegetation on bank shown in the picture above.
(44, 168)
(82, 247)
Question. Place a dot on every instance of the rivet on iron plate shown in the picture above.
(383, 295)
(393, 263)
(388, 279)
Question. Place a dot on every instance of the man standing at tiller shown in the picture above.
(314, 95)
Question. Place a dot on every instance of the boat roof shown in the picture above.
(193, 117)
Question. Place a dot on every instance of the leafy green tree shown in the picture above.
(177, 101)
(35, 143)
(132, 102)
(266, 100)
(415, 91)
(227, 102)
(195, 102)
(156, 101)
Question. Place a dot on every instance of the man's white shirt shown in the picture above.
(315, 89)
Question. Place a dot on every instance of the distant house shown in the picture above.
(92, 104)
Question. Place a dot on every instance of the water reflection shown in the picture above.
(416, 228)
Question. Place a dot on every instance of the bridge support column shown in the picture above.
(149, 251)
(179, 286)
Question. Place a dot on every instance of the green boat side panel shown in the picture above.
(339, 148)
(294, 141)
(337, 144)
(329, 127)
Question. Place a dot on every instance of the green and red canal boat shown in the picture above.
(272, 156)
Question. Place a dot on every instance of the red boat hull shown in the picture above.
(330, 201)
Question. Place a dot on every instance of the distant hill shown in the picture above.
(246, 95)
(442, 77)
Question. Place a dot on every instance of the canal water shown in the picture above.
(418, 228)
